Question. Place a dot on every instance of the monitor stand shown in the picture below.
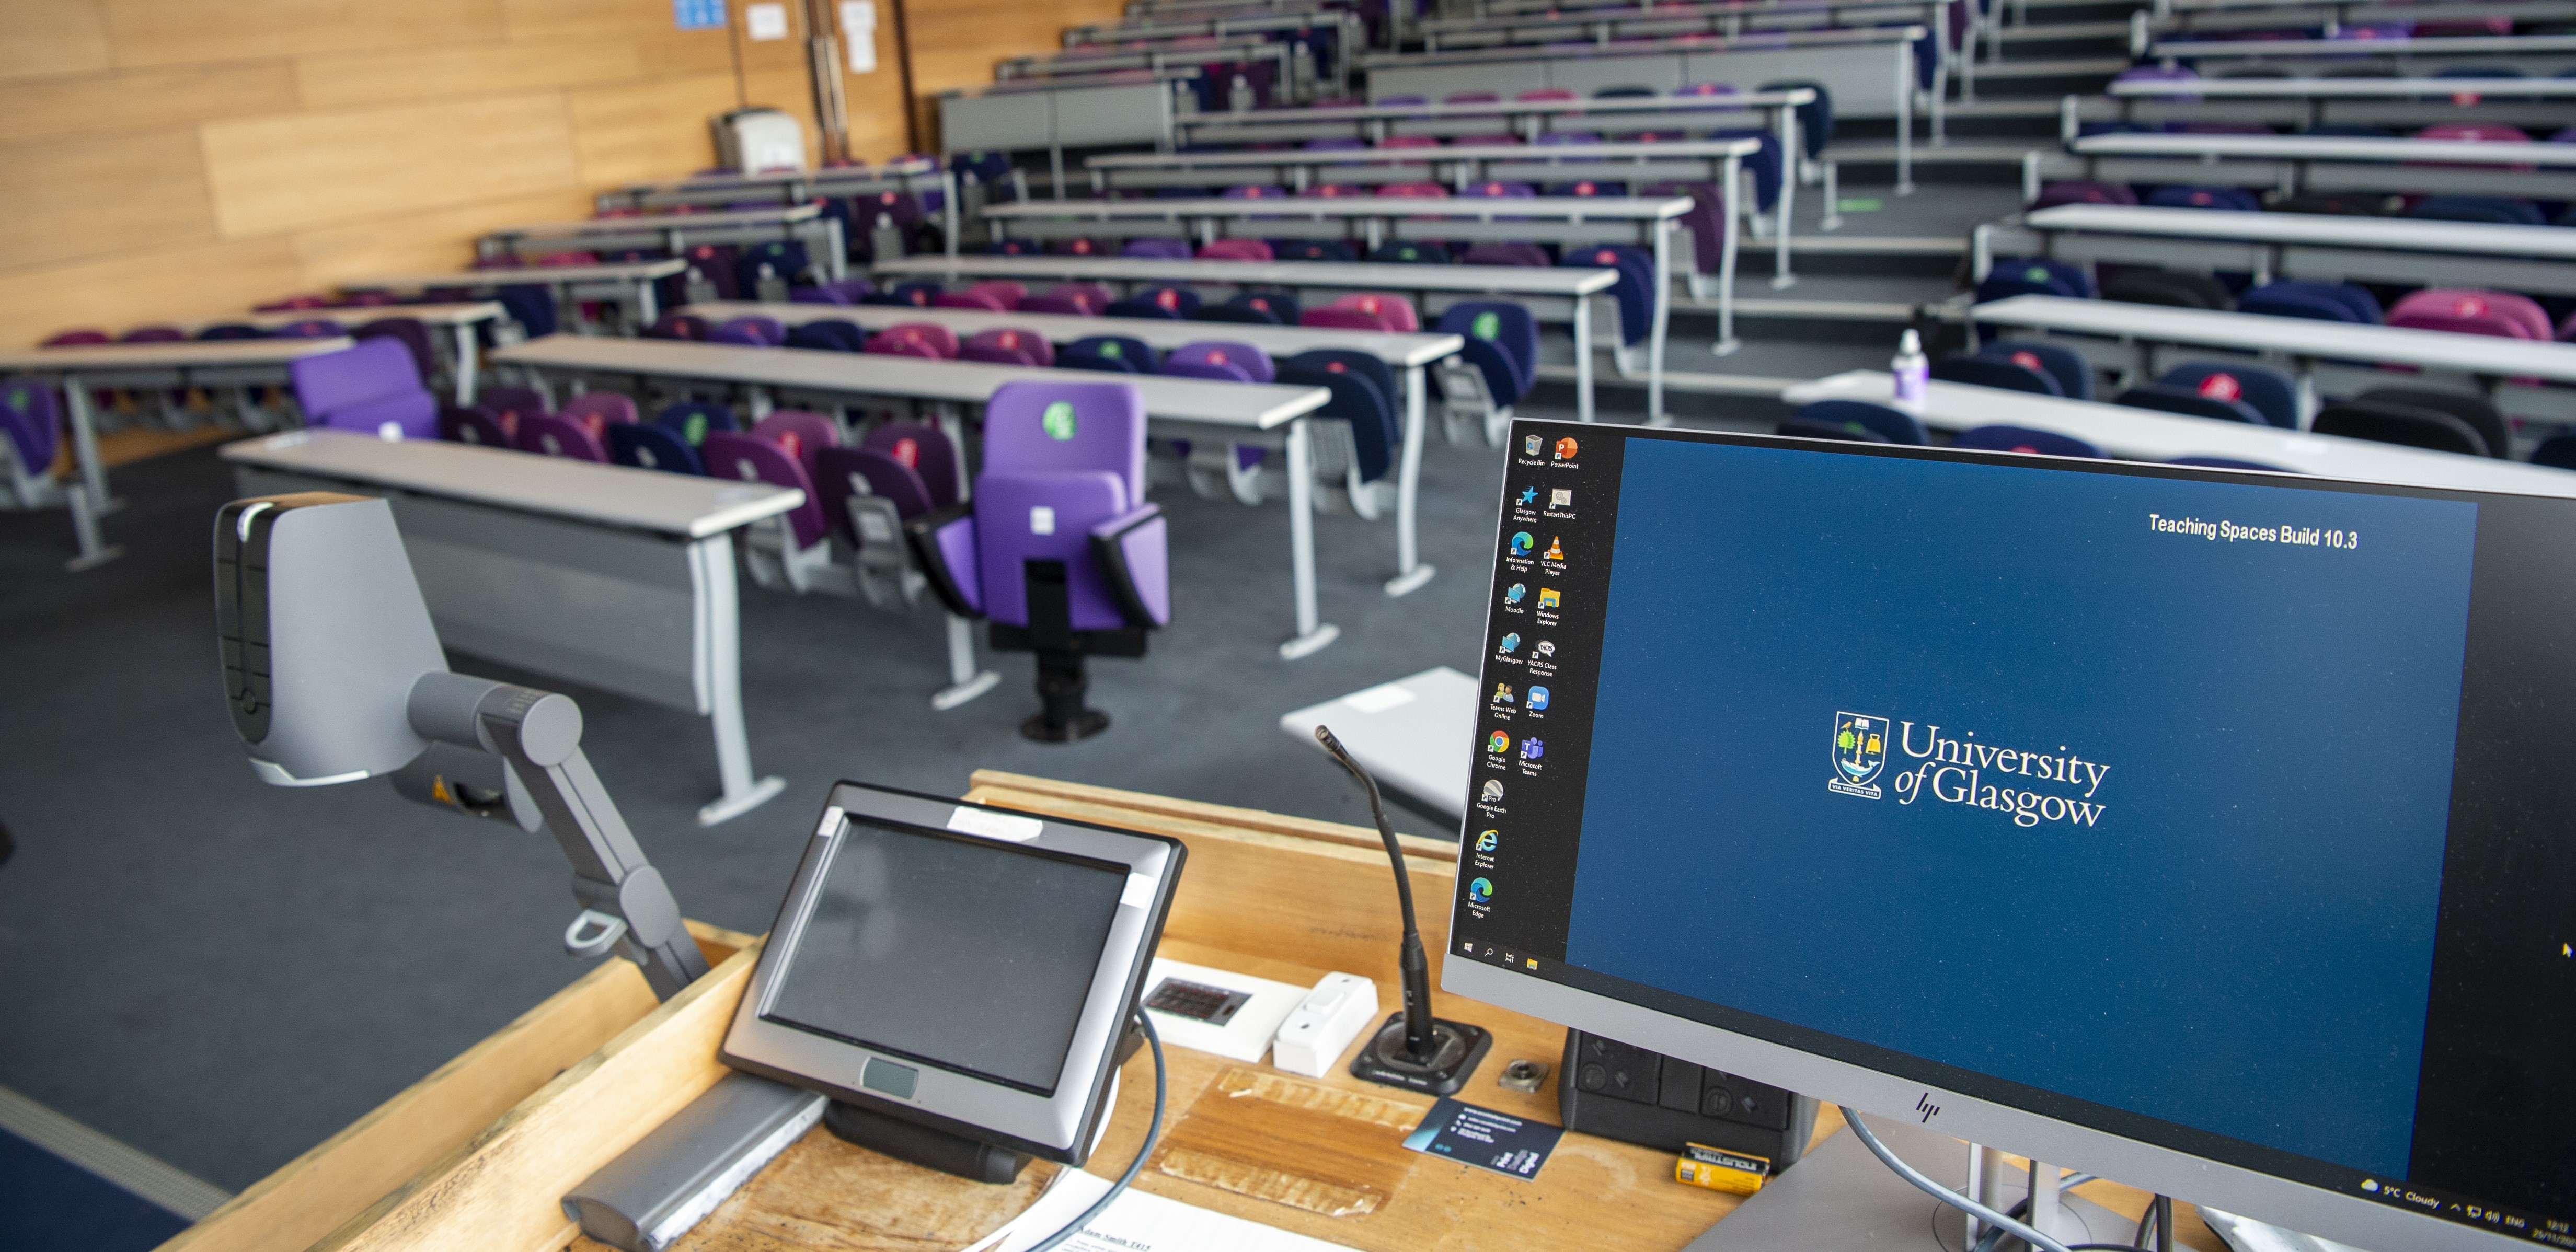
(1839, 1198)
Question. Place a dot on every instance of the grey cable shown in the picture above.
(1991, 1217)
(1153, 1134)
(1994, 1236)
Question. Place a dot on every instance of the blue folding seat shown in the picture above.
(2023, 439)
(694, 420)
(2232, 199)
(2034, 276)
(828, 334)
(2002, 373)
(2073, 373)
(1634, 291)
(652, 447)
(1410, 252)
(1858, 419)
(2323, 302)
(1110, 354)
(2269, 392)
(2188, 403)
(1313, 250)
(2497, 210)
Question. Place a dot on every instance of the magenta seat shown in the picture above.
(923, 339)
(1009, 346)
(548, 434)
(749, 458)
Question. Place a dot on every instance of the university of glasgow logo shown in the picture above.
(1860, 752)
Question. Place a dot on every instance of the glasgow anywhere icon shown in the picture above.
(1860, 752)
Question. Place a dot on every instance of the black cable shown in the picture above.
(2163, 1209)
(1153, 1135)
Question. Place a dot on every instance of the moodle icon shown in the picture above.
(1513, 593)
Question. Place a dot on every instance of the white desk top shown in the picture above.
(1114, 34)
(2188, 49)
(2327, 148)
(614, 495)
(2146, 435)
(778, 215)
(1516, 280)
(1086, 81)
(1579, 19)
(1571, 155)
(1240, 405)
(1504, 108)
(532, 275)
(359, 314)
(1551, 208)
(1399, 350)
(787, 178)
(2401, 234)
(1146, 54)
(181, 354)
(2296, 336)
(2343, 88)
(1771, 41)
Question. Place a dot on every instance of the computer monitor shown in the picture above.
(2213, 832)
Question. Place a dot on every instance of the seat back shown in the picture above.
(375, 369)
(1119, 354)
(1317, 250)
(923, 449)
(970, 299)
(2494, 210)
(2171, 288)
(2188, 403)
(2033, 276)
(1635, 289)
(2482, 416)
(2325, 302)
(1156, 249)
(2472, 313)
(1499, 190)
(1004, 290)
(843, 473)
(752, 459)
(549, 435)
(653, 448)
(1061, 306)
(694, 420)
(800, 433)
(1091, 296)
(688, 326)
(1395, 310)
(1512, 332)
(1219, 358)
(2384, 422)
(1892, 425)
(1143, 307)
(1409, 252)
(1236, 250)
(2269, 392)
(2081, 191)
(766, 270)
(828, 334)
(1375, 429)
(2023, 439)
(1010, 346)
(1333, 318)
(2073, 373)
(922, 339)
(1527, 255)
(1999, 372)
(597, 410)
(2234, 199)
(768, 332)
(410, 332)
(32, 415)
(1058, 427)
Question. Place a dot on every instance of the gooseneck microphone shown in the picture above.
(1414, 1049)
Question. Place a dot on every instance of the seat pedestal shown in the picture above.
(1063, 717)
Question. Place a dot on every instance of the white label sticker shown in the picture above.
(1041, 520)
(992, 825)
(1139, 892)
(1380, 698)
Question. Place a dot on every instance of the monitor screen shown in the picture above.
(2223, 813)
(967, 954)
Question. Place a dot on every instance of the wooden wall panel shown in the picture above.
(171, 32)
(144, 284)
(308, 169)
(956, 42)
(413, 243)
(463, 71)
(633, 133)
(76, 197)
(49, 37)
(80, 104)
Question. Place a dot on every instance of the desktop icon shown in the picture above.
(1544, 648)
(1498, 743)
(1493, 792)
(1513, 593)
(1565, 448)
(1547, 598)
(1522, 543)
(1538, 699)
(1488, 841)
(1561, 498)
(1510, 643)
(1531, 445)
(1480, 891)
(1531, 493)
(1503, 693)
(1555, 549)
(1533, 749)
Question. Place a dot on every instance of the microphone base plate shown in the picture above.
(1459, 1048)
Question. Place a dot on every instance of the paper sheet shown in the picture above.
(1136, 1223)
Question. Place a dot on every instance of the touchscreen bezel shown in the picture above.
(1059, 1126)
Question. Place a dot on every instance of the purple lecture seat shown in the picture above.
(924, 449)
(598, 410)
(1060, 552)
(31, 424)
(922, 339)
(372, 388)
(1008, 346)
(2466, 312)
(472, 424)
(798, 433)
(753, 459)
(1237, 250)
(1220, 359)
(310, 328)
(410, 332)
(1061, 306)
(1091, 296)
(1157, 249)
(755, 331)
(981, 300)
(550, 435)
(153, 334)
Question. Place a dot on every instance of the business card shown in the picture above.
(1484, 1138)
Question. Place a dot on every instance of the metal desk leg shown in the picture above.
(1312, 635)
(720, 660)
(465, 385)
(1904, 120)
(1729, 233)
(1583, 356)
(965, 682)
(1410, 572)
(1785, 211)
(94, 549)
(93, 472)
(1660, 319)
(647, 305)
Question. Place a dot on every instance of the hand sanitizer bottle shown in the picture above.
(1912, 371)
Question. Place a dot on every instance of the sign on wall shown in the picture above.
(698, 14)
(859, 30)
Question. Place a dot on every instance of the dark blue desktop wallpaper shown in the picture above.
(2195, 871)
